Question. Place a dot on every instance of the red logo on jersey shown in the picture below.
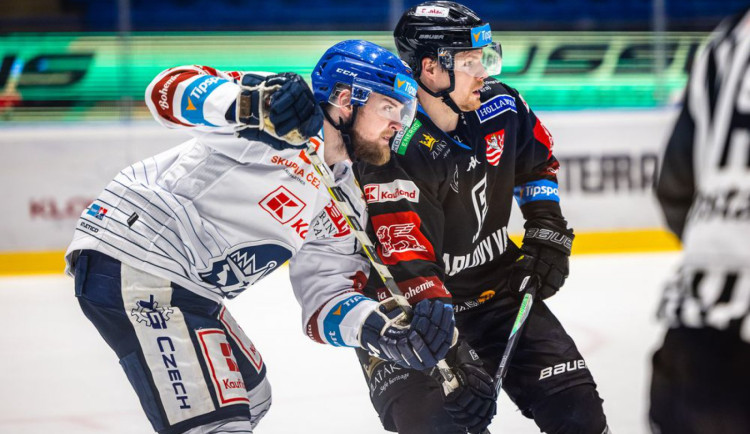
(282, 204)
(401, 239)
(495, 145)
(418, 289)
(541, 133)
(372, 192)
(338, 220)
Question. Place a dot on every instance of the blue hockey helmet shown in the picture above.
(364, 68)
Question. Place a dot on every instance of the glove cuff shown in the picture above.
(560, 240)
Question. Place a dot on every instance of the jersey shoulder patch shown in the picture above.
(422, 141)
(497, 98)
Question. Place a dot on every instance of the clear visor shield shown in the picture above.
(397, 103)
(479, 62)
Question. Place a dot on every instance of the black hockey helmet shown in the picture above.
(440, 29)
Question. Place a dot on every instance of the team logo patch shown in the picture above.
(148, 312)
(392, 191)
(428, 141)
(245, 264)
(401, 239)
(225, 373)
(97, 211)
(495, 107)
(495, 144)
(282, 204)
(479, 200)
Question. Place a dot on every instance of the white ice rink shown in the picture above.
(58, 376)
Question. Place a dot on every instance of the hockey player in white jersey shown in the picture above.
(700, 382)
(171, 236)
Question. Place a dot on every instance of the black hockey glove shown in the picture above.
(279, 110)
(545, 253)
(419, 344)
(474, 403)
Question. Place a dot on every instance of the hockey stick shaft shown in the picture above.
(450, 382)
(14, 76)
(515, 332)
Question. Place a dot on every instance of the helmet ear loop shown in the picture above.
(346, 133)
(345, 128)
(445, 94)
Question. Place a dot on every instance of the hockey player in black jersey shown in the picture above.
(700, 381)
(440, 209)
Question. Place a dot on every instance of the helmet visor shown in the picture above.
(396, 103)
(478, 62)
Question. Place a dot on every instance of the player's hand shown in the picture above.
(419, 344)
(293, 107)
(544, 257)
(279, 110)
(474, 403)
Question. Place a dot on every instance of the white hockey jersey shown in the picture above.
(704, 188)
(218, 213)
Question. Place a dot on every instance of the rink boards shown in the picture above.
(609, 162)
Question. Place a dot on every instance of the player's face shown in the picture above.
(376, 123)
(469, 78)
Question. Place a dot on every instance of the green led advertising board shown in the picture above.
(81, 76)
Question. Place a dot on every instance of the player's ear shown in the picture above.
(344, 102)
(430, 68)
(344, 98)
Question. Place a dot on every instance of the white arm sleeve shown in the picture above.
(326, 275)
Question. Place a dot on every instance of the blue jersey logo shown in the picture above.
(543, 189)
(481, 36)
(97, 211)
(194, 97)
(495, 107)
(332, 321)
(243, 265)
(405, 85)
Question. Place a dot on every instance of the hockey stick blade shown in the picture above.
(450, 383)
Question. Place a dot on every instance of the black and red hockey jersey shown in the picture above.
(440, 207)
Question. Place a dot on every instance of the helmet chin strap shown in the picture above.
(444, 94)
(345, 128)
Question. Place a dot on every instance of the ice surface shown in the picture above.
(58, 376)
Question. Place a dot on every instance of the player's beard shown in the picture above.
(370, 152)
(468, 103)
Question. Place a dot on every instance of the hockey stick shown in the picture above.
(450, 383)
(14, 76)
(9, 97)
(515, 332)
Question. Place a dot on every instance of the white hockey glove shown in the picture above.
(279, 110)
